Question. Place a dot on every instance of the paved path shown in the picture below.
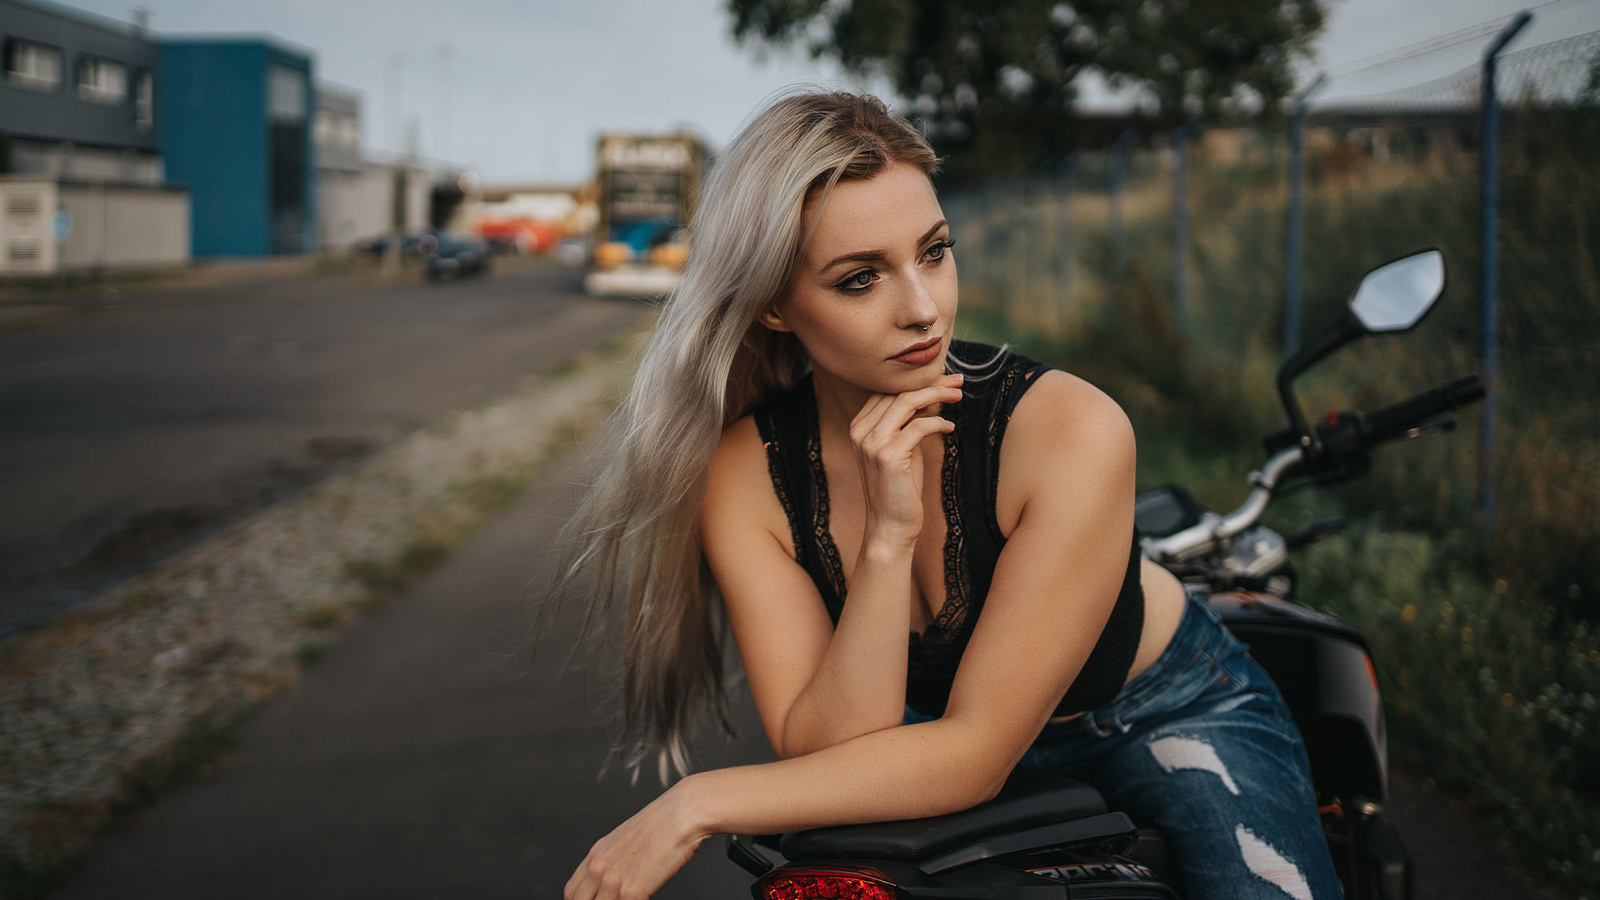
(423, 756)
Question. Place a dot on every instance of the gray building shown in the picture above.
(82, 182)
(353, 196)
(78, 95)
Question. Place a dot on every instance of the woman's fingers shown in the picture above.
(884, 414)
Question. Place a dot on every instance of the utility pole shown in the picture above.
(397, 180)
(441, 102)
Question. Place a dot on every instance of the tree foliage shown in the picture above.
(1000, 76)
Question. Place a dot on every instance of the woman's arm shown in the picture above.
(815, 684)
(1067, 482)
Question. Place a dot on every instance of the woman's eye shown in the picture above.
(937, 252)
(858, 281)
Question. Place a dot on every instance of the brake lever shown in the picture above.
(1442, 423)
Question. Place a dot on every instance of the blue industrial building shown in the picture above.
(237, 130)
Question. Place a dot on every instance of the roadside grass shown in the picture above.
(1486, 635)
(1489, 654)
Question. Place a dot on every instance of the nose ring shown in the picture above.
(928, 327)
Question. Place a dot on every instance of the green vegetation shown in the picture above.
(1486, 639)
(995, 81)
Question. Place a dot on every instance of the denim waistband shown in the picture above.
(1200, 634)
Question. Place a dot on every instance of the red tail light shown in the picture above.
(824, 884)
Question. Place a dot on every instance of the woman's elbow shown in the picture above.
(795, 742)
(982, 770)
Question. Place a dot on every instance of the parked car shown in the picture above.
(454, 255)
(411, 245)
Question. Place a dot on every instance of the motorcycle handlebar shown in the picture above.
(1344, 440)
(1399, 418)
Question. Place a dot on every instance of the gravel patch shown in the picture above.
(100, 707)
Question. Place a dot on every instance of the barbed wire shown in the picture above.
(1556, 71)
(1437, 44)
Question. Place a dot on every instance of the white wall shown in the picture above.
(124, 226)
(355, 205)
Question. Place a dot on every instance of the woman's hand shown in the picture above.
(887, 435)
(637, 858)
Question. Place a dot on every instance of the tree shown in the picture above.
(997, 78)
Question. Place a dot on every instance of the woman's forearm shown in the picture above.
(859, 687)
(910, 771)
(906, 772)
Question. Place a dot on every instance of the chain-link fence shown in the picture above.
(1196, 228)
(1168, 260)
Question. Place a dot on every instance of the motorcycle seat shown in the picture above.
(1029, 799)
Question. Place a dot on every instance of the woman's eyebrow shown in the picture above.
(878, 255)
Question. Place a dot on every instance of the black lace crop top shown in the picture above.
(969, 475)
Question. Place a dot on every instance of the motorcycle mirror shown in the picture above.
(1391, 298)
(1395, 296)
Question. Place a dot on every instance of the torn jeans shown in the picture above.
(1202, 746)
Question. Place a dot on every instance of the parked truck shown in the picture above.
(648, 188)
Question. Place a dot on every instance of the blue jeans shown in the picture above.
(1201, 745)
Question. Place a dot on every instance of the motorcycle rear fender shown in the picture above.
(985, 881)
(1083, 876)
(1323, 669)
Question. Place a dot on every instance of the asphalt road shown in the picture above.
(427, 754)
(125, 433)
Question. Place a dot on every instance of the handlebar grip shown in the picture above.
(1392, 421)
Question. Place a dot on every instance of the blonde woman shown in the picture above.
(811, 461)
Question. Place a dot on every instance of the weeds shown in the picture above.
(1489, 649)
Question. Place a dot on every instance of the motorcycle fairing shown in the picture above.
(1323, 668)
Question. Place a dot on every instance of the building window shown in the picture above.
(350, 132)
(32, 66)
(102, 81)
(324, 128)
(286, 94)
(144, 101)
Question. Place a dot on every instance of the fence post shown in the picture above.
(1490, 277)
(1292, 253)
(985, 253)
(1180, 222)
(1116, 173)
(1066, 254)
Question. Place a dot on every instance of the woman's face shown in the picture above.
(873, 301)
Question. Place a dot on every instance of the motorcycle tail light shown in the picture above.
(824, 884)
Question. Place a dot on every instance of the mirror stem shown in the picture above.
(1338, 333)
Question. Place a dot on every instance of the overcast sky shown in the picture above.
(517, 90)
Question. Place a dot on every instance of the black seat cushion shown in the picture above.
(1029, 799)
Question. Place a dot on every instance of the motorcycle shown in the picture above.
(1044, 836)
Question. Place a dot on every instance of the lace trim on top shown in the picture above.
(827, 551)
(780, 487)
(942, 631)
(997, 427)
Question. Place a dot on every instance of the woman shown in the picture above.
(804, 425)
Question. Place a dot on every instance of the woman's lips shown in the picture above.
(920, 354)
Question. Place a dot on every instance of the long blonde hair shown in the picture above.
(635, 537)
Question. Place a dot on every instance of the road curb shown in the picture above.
(111, 702)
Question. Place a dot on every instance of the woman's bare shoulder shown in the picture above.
(739, 489)
(1065, 435)
(1060, 401)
